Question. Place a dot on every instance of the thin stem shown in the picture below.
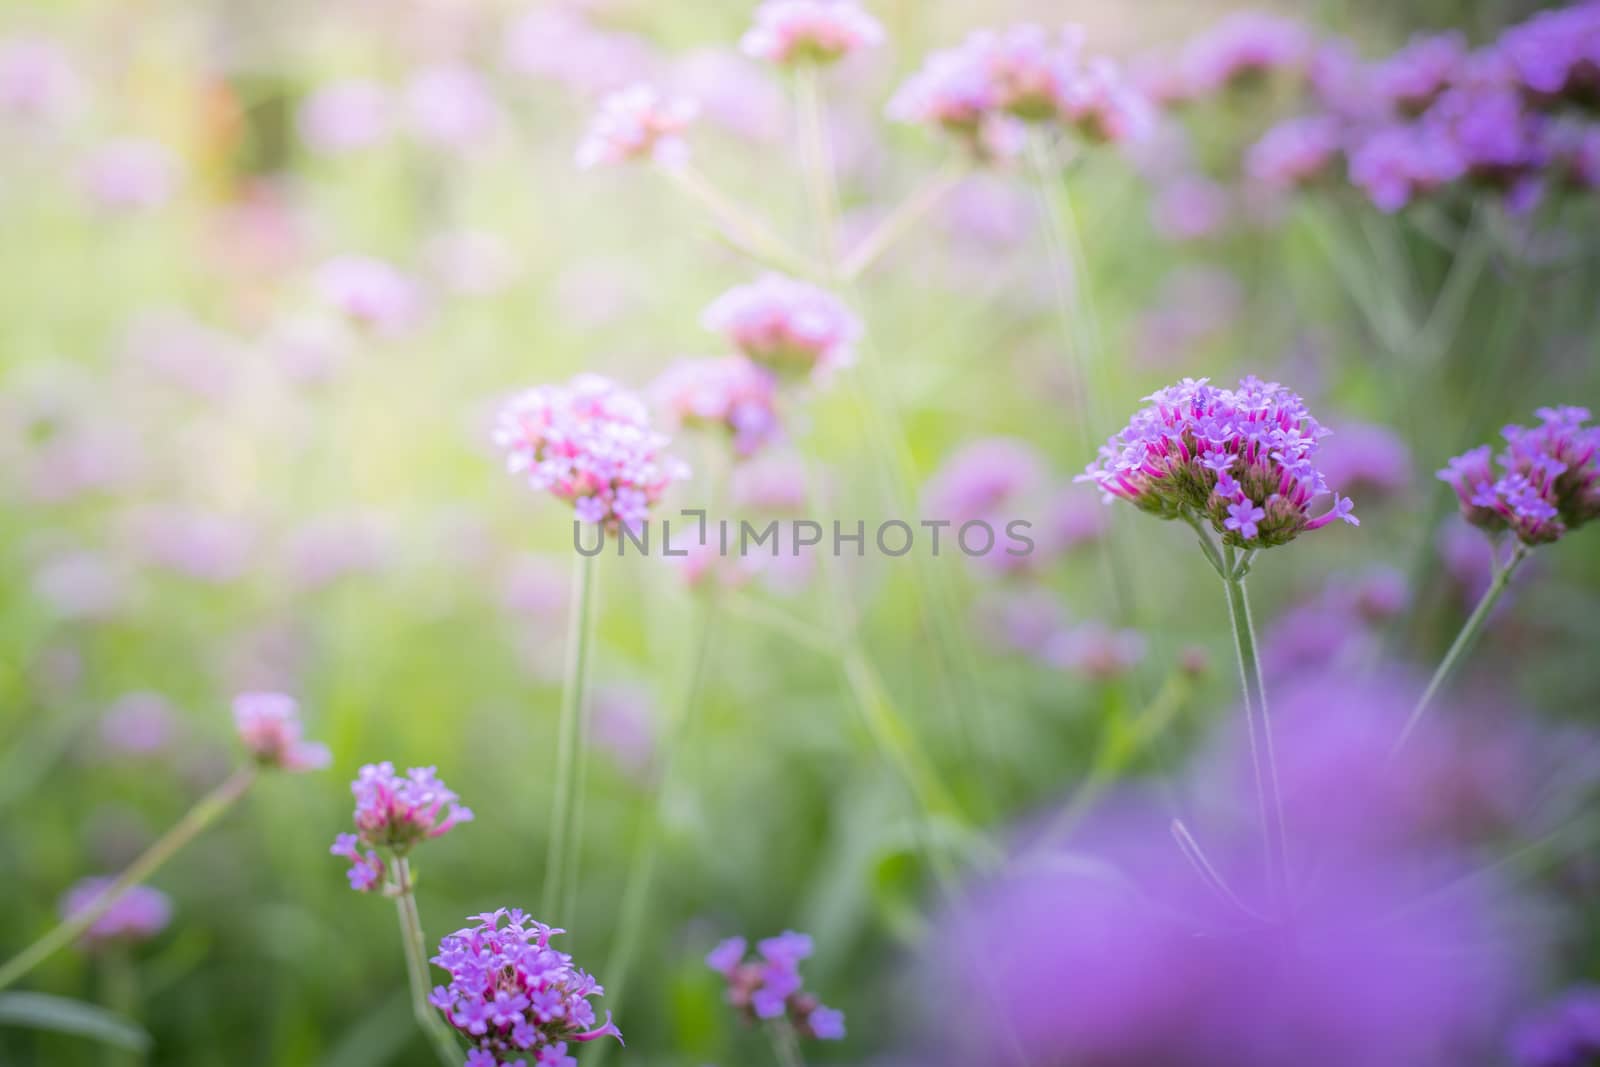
(415, 945)
(561, 859)
(1205, 870)
(785, 1045)
(1463, 642)
(895, 225)
(1259, 723)
(209, 809)
(796, 629)
(738, 226)
(818, 160)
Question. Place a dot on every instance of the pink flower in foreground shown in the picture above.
(269, 726)
(370, 292)
(638, 123)
(131, 175)
(732, 394)
(810, 31)
(138, 914)
(589, 443)
(788, 326)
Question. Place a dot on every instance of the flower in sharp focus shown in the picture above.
(789, 327)
(269, 726)
(139, 914)
(768, 986)
(393, 813)
(810, 31)
(638, 123)
(590, 444)
(732, 394)
(510, 993)
(1563, 1033)
(1548, 482)
(1241, 459)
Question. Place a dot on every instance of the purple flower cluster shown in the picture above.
(590, 444)
(269, 726)
(1564, 1033)
(638, 123)
(511, 994)
(789, 32)
(138, 914)
(1244, 47)
(792, 328)
(1243, 459)
(734, 394)
(394, 813)
(981, 90)
(769, 986)
(1548, 483)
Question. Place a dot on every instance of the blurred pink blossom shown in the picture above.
(452, 107)
(638, 123)
(131, 175)
(345, 116)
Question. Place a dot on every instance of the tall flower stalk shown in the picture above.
(566, 812)
(416, 952)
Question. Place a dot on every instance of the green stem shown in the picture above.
(415, 945)
(561, 875)
(818, 160)
(739, 227)
(1259, 722)
(202, 815)
(785, 1045)
(1463, 642)
(900, 220)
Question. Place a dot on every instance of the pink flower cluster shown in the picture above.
(790, 327)
(589, 443)
(371, 293)
(731, 394)
(638, 123)
(770, 987)
(789, 32)
(510, 993)
(269, 726)
(1242, 459)
(394, 813)
(1550, 480)
(1243, 47)
(138, 914)
(981, 91)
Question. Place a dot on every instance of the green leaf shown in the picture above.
(44, 1012)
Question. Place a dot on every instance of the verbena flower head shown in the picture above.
(790, 327)
(515, 999)
(810, 31)
(1395, 164)
(732, 394)
(394, 813)
(1296, 153)
(1548, 482)
(589, 443)
(1556, 54)
(638, 123)
(1242, 459)
(269, 726)
(1497, 140)
(1563, 1033)
(1243, 48)
(768, 986)
(1408, 81)
(138, 914)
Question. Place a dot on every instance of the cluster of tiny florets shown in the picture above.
(769, 986)
(982, 89)
(269, 726)
(732, 394)
(638, 122)
(1548, 482)
(1242, 459)
(514, 998)
(393, 813)
(590, 444)
(810, 31)
(790, 327)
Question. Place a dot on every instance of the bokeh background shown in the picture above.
(210, 484)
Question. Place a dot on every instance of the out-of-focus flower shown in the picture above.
(1395, 164)
(1296, 153)
(472, 262)
(789, 32)
(1102, 106)
(131, 175)
(1550, 480)
(1366, 458)
(201, 545)
(1336, 626)
(1095, 650)
(731, 394)
(38, 83)
(1497, 141)
(988, 210)
(982, 478)
(589, 443)
(322, 551)
(562, 46)
(1195, 304)
(451, 107)
(1190, 208)
(535, 587)
(1022, 620)
(345, 116)
(790, 327)
(81, 585)
(771, 484)
(769, 986)
(1242, 459)
(394, 813)
(510, 993)
(269, 726)
(1073, 517)
(189, 354)
(1242, 48)
(1562, 1033)
(370, 292)
(1409, 81)
(1571, 151)
(638, 123)
(624, 728)
(1342, 81)
(1468, 558)
(735, 93)
(1554, 54)
(138, 724)
(139, 914)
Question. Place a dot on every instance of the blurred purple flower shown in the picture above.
(1394, 164)
(734, 93)
(474, 262)
(269, 726)
(138, 725)
(345, 116)
(139, 914)
(131, 175)
(1095, 650)
(81, 585)
(1409, 81)
(38, 84)
(452, 108)
(1556, 53)
(1562, 1033)
(769, 986)
(1189, 208)
(371, 293)
(791, 327)
(324, 550)
(638, 123)
(989, 210)
(1366, 459)
(189, 354)
(624, 728)
(1296, 153)
(792, 32)
(1243, 47)
(204, 546)
(562, 46)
